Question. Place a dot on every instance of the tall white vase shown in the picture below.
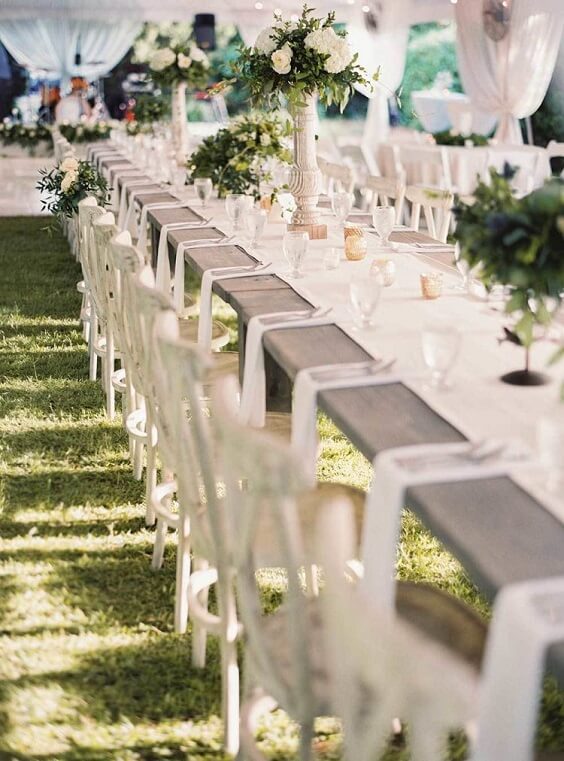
(305, 177)
(179, 123)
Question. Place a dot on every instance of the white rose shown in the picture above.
(68, 181)
(162, 59)
(282, 59)
(69, 165)
(184, 61)
(265, 140)
(264, 42)
(197, 54)
(340, 57)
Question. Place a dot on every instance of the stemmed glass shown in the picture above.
(234, 209)
(256, 222)
(341, 203)
(203, 187)
(383, 219)
(295, 250)
(440, 345)
(365, 292)
(464, 269)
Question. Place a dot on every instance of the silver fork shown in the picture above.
(479, 452)
(370, 367)
(298, 315)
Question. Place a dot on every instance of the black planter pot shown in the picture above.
(525, 378)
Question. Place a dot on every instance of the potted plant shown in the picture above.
(299, 62)
(517, 242)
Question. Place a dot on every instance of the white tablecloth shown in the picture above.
(440, 110)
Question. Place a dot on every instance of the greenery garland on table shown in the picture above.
(235, 157)
(68, 183)
(447, 137)
(85, 132)
(292, 59)
(517, 242)
(27, 136)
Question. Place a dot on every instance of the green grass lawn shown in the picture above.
(89, 665)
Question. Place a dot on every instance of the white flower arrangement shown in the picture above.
(293, 59)
(68, 183)
(171, 58)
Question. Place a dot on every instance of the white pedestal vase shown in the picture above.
(305, 177)
(179, 123)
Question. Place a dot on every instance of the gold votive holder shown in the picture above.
(431, 284)
(355, 242)
(387, 269)
(266, 203)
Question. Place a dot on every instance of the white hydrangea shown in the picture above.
(197, 54)
(68, 181)
(340, 57)
(70, 164)
(162, 59)
(264, 42)
(184, 61)
(323, 40)
(265, 140)
(282, 59)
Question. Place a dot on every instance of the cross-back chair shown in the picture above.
(384, 190)
(437, 209)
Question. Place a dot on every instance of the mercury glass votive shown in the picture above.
(355, 242)
(387, 269)
(431, 284)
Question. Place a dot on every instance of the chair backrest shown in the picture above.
(272, 478)
(337, 176)
(437, 207)
(88, 211)
(382, 667)
(555, 149)
(178, 369)
(102, 231)
(524, 161)
(384, 190)
(357, 155)
(426, 165)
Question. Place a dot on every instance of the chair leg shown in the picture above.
(182, 577)
(312, 580)
(150, 474)
(199, 632)
(93, 334)
(109, 369)
(159, 545)
(229, 668)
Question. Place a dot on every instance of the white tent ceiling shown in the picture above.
(236, 11)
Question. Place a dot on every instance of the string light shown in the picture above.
(259, 6)
(366, 9)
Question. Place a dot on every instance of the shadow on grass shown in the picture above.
(58, 396)
(100, 527)
(52, 363)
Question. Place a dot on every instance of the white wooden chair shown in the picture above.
(385, 668)
(426, 165)
(336, 176)
(555, 150)
(385, 189)
(437, 208)
(524, 161)
(88, 210)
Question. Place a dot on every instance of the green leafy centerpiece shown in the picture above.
(297, 62)
(176, 65)
(451, 138)
(518, 243)
(67, 184)
(28, 136)
(237, 158)
(85, 132)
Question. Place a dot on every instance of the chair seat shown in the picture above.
(224, 363)
(189, 332)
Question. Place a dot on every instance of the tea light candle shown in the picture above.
(355, 242)
(431, 284)
(387, 269)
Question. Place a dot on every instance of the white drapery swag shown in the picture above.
(509, 78)
(50, 45)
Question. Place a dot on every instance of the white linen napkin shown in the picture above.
(130, 221)
(123, 205)
(116, 192)
(142, 232)
(253, 394)
(309, 383)
(208, 279)
(392, 476)
(179, 267)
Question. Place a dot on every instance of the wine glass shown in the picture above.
(383, 219)
(464, 269)
(365, 292)
(295, 250)
(440, 345)
(203, 187)
(256, 222)
(341, 203)
(234, 209)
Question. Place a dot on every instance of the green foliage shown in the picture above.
(517, 242)
(450, 138)
(25, 135)
(235, 158)
(68, 183)
(309, 69)
(172, 57)
(431, 49)
(84, 132)
(150, 107)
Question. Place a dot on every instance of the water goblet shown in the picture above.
(234, 209)
(295, 249)
(203, 187)
(365, 292)
(256, 222)
(464, 269)
(440, 345)
(383, 219)
(341, 203)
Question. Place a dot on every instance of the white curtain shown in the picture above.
(51, 45)
(509, 78)
(385, 48)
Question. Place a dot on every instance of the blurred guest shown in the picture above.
(50, 97)
(74, 106)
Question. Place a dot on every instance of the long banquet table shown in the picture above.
(498, 532)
